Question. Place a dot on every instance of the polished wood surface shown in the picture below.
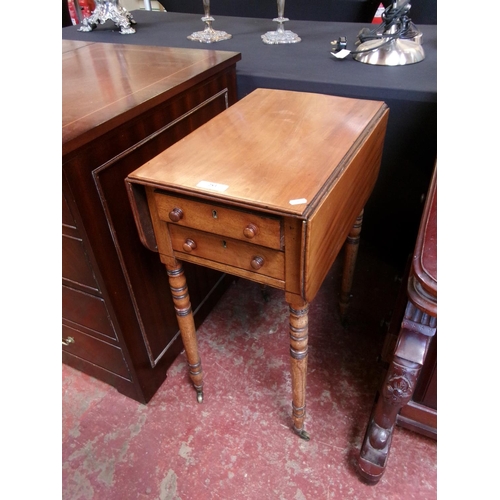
(106, 84)
(405, 383)
(294, 169)
(123, 105)
(306, 154)
(314, 138)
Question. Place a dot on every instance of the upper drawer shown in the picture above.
(216, 219)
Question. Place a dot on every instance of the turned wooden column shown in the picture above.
(298, 358)
(182, 305)
(350, 256)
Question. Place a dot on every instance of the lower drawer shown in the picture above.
(95, 351)
(234, 253)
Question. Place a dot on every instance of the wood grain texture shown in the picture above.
(302, 164)
(422, 283)
(121, 107)
(258, 154)
(214, 218)
(123, 81)
(273, 148)
(338, 207)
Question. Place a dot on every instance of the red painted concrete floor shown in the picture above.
(238, 444)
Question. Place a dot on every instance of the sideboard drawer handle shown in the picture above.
(257, 262)
(189, 245)
(251, 230)
(176, 214)
(68, 341)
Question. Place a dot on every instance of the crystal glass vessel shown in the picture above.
(281, 35)
(208, 35)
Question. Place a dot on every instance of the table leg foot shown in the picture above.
(350, 257)
(302, 434)
(199, 395)
(396, 391)
(369, 472)
(372, 460)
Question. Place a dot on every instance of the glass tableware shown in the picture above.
(281, 35)
(208, 35)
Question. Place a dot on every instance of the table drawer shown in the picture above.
(212, 218)
(228, 251)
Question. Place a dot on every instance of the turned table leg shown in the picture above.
(351, 254)
(182, 304)
(298, 358)
(414, 338)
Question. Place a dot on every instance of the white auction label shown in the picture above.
(341, 54)
(213, 186)
(299, 201)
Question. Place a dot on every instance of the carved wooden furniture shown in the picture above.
(268, 190)
(122, 105)
(416, 335)
(420, 413)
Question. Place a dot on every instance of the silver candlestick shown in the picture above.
(109, 9)
(208, 35)
(281, 35)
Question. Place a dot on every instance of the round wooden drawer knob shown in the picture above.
(176, 215)
(189, 245)
(250, 231)
(257, 262)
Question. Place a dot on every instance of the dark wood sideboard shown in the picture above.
(123, 105)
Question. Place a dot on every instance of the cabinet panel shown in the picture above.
(88, 311)
(115, 291)
(102, 354)
(68, 219)
(76, 267)
(75, 263)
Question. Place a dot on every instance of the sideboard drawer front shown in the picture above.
(88, 310)
(76, 267)
(212, 218)
(97, 351)
(228, 251)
